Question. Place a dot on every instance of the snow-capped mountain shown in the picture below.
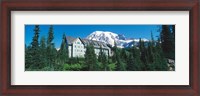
(111, 38)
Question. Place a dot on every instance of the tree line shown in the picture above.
(41, 55)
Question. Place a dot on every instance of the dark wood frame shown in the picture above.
(99, 5)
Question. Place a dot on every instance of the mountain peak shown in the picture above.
(104, 36)
(111, 37)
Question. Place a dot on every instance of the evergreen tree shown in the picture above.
(151, 49)
(114, 49)
(141, 44)
(43, 51)
(28, 57)
(90, 58)
(50, 36)
(152, 38)
(51, 51)
(63, 52)
(151, 54)
(35, 43)
(120, 66)
(124, 55)
(35, 59)
(134, 60)
(173, 42)
(131, 63)
(43, 43)
(167, 41)
(144, 54)
(160, 60)
(100, 54)
(105, 61)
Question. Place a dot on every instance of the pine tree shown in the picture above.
(105, 61)
(43, 51)
(100, 54)
(114, 49)
(90, 58)
(173, 42)
(120, 66)
(160, 60)
(28, 57)
(144, 54)
(35, 43)
(50, 36)
(63, 52)
(124, 55)
(51, 54)
(151, 49)
(141, 44)
(167, 41)
(43, 43)
(150, 55)
(150, 66)
(131, 63)
(35, 54)
(138, 63)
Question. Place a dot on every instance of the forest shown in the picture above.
(41, 54)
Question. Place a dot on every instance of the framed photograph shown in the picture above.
(121, 47)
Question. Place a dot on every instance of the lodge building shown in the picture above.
(77, 47)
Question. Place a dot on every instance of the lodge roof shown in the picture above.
(70, 39)
(86, 42)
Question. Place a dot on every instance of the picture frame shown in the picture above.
(99, 5)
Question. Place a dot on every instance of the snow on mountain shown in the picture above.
(143, 39)
(111, 38)
(104, 36)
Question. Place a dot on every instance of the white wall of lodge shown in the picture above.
(77, 49)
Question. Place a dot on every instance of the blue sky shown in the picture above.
(82, 31)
